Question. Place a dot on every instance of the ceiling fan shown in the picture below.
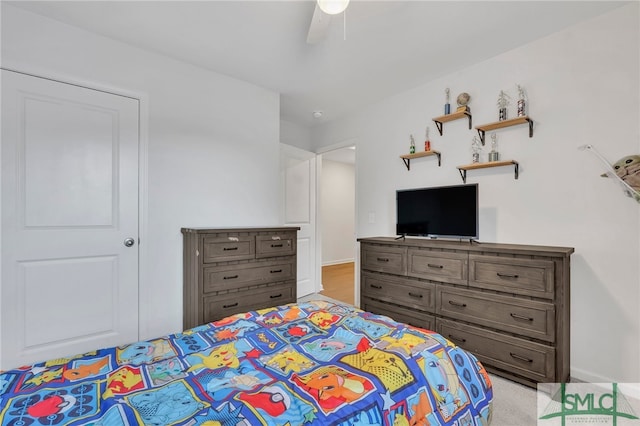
(322, 18)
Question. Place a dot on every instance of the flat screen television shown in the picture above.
(445, 211)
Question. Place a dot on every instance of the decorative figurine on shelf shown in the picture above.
(447, 105)
(503, 101)
(521, 101)
(427, 142)
(463, 101)
(476, 148)
(412, 145)
(493, 155)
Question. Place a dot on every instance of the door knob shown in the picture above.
(129, 242)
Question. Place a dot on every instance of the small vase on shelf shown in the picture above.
(521, 102)
(494, 155)
(447, 105)
(503, 101)
(476, 148)
(427, 142)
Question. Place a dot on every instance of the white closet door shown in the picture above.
(69, 203)
(298, 168)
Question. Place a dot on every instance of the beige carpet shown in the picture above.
(513, 403)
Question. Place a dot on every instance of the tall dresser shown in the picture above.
(232, 270)
(506, 303)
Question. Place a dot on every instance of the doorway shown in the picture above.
(337, 203)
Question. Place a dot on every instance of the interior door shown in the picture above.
(298, 171)
(69, 219)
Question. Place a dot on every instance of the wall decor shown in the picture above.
(412, 145)
(625, 171)
(494, 155)
(427, 142)
(503, 102)
(482, 129)
(476, 148)
(463, 102)
(521, 111)
(447, 105)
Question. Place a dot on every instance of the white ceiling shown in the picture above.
(390, 46)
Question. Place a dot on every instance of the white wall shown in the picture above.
(213, 144)
(583, 88)
(337, 212)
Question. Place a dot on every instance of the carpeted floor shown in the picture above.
(513, 403)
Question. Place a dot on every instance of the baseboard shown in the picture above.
(337, 262)
(628, 388)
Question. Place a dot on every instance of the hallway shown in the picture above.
(338, 282)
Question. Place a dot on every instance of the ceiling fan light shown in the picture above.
(333, 7)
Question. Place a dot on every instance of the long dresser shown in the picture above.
(506, 303)
(232, 270)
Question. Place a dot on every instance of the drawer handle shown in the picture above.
(230, 248)
(431, 265)
(417, 296)
(520, 317)
(520, 358)
(377, 287)
(460, 305)
(230, 277)
(275, 271)
(230, 306)
(514, 276)
(275, 296)
(457, 339)
(383, 259)
(236, 239)
(276, 245)
(275, 238)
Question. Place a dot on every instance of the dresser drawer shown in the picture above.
(392, 260)
(220, 306)
(217, 278)
(222, 249)
(407, 316)
(519, 316)
(413, 294)
(283, 244)
(450, 267)
(530, 277)
(529, 359)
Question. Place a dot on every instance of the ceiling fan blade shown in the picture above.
(319, 26)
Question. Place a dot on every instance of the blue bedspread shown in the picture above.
(315, 363)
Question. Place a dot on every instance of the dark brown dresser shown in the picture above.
(506, 303)
(232, 270)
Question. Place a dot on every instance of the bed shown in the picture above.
(314, 363)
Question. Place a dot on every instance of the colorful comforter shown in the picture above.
(315, 363)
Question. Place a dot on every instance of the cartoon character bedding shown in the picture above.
(315, 363)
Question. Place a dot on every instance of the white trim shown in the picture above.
(323, 150)
(338, 262)
(590, 377)
(143, 154)
(579, 375)
(339, 145)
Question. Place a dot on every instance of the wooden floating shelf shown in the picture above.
(505, 123)
(474, 166)
(450, 117)
(407, 157)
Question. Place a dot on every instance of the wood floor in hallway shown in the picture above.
(338, 282)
